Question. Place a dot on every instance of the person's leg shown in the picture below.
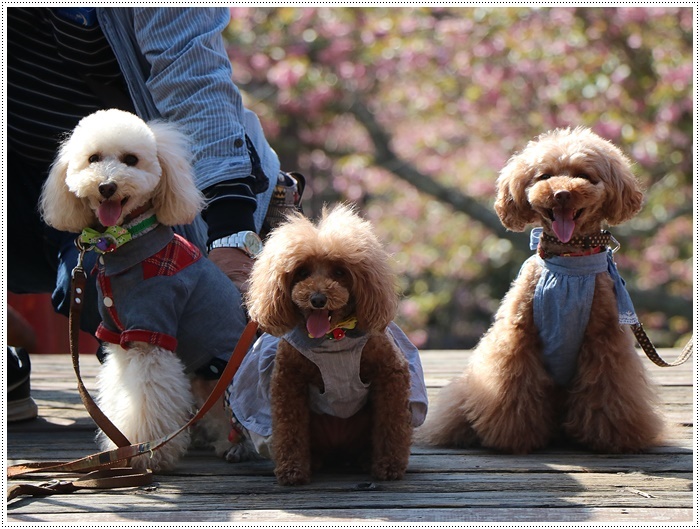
(29, 270)
(20, 405)
(39, 260)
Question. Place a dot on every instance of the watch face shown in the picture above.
(252, 243)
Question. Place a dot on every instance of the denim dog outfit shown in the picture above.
(339, 362)
(562, 304)
(160, 289)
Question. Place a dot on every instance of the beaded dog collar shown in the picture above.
(589, 241)
(589, 244)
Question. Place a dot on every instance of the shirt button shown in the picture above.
(238, 143)
(108, 302)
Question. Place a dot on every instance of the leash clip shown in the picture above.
(81, 255)
(53, 484)
(617, 244)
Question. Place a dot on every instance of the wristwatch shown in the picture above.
(248, 241)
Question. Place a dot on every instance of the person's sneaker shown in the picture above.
(20, 405)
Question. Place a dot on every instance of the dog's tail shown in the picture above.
(447, 423)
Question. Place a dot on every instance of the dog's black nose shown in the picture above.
(318, 300)
(108, 189)
(562, 197)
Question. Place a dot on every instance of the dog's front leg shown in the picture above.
(386, 369)
(611, 406)
(214, 428)
(289, 395)
(146, 394)
(509, 397)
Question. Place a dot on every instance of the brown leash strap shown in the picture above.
(109, 478)
(650, 350)
(79, 278)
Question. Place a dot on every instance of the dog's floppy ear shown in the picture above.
(374, 287)
(59, 207)
(623, 192)
(374, 283)
(176, 198)
(269, 296)
(268, 299)
(512, 205)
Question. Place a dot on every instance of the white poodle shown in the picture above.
(167, 311)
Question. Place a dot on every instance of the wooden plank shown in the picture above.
(124, 502)
(476, 461)
(260, 480)
(624, 515)
(329, 491)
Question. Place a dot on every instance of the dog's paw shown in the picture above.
(241, 452)
(292, 474)
(389, 470)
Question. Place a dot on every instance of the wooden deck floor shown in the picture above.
(551, 486)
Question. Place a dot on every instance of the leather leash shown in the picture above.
(108, 478)
(650, 350)
(78, 281)
(100, 475)
(603, 239)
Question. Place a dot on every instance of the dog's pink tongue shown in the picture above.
(317, 323)
(109, 212)
(563, 224)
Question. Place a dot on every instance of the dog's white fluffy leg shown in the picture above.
(146, 394)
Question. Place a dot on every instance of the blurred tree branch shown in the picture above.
(385, 157)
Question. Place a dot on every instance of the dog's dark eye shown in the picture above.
(339, 272)
(130, 160)
(94, 158)
(585, 176)
(544, 176)
(301, 273)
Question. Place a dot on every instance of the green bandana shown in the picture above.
(115, 236)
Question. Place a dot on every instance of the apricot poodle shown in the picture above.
(559, 359)
(345, 378)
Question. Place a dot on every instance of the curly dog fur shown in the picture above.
(306, 275)
(570, 182)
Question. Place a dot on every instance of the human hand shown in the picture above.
(235, 263)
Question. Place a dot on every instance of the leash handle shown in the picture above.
(110, 478)
(650, 350)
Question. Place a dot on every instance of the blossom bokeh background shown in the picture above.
(410, 113)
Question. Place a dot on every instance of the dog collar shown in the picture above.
(590, 241)
(338, 332)
(588, 251)
(590, 244)
(116, 236)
